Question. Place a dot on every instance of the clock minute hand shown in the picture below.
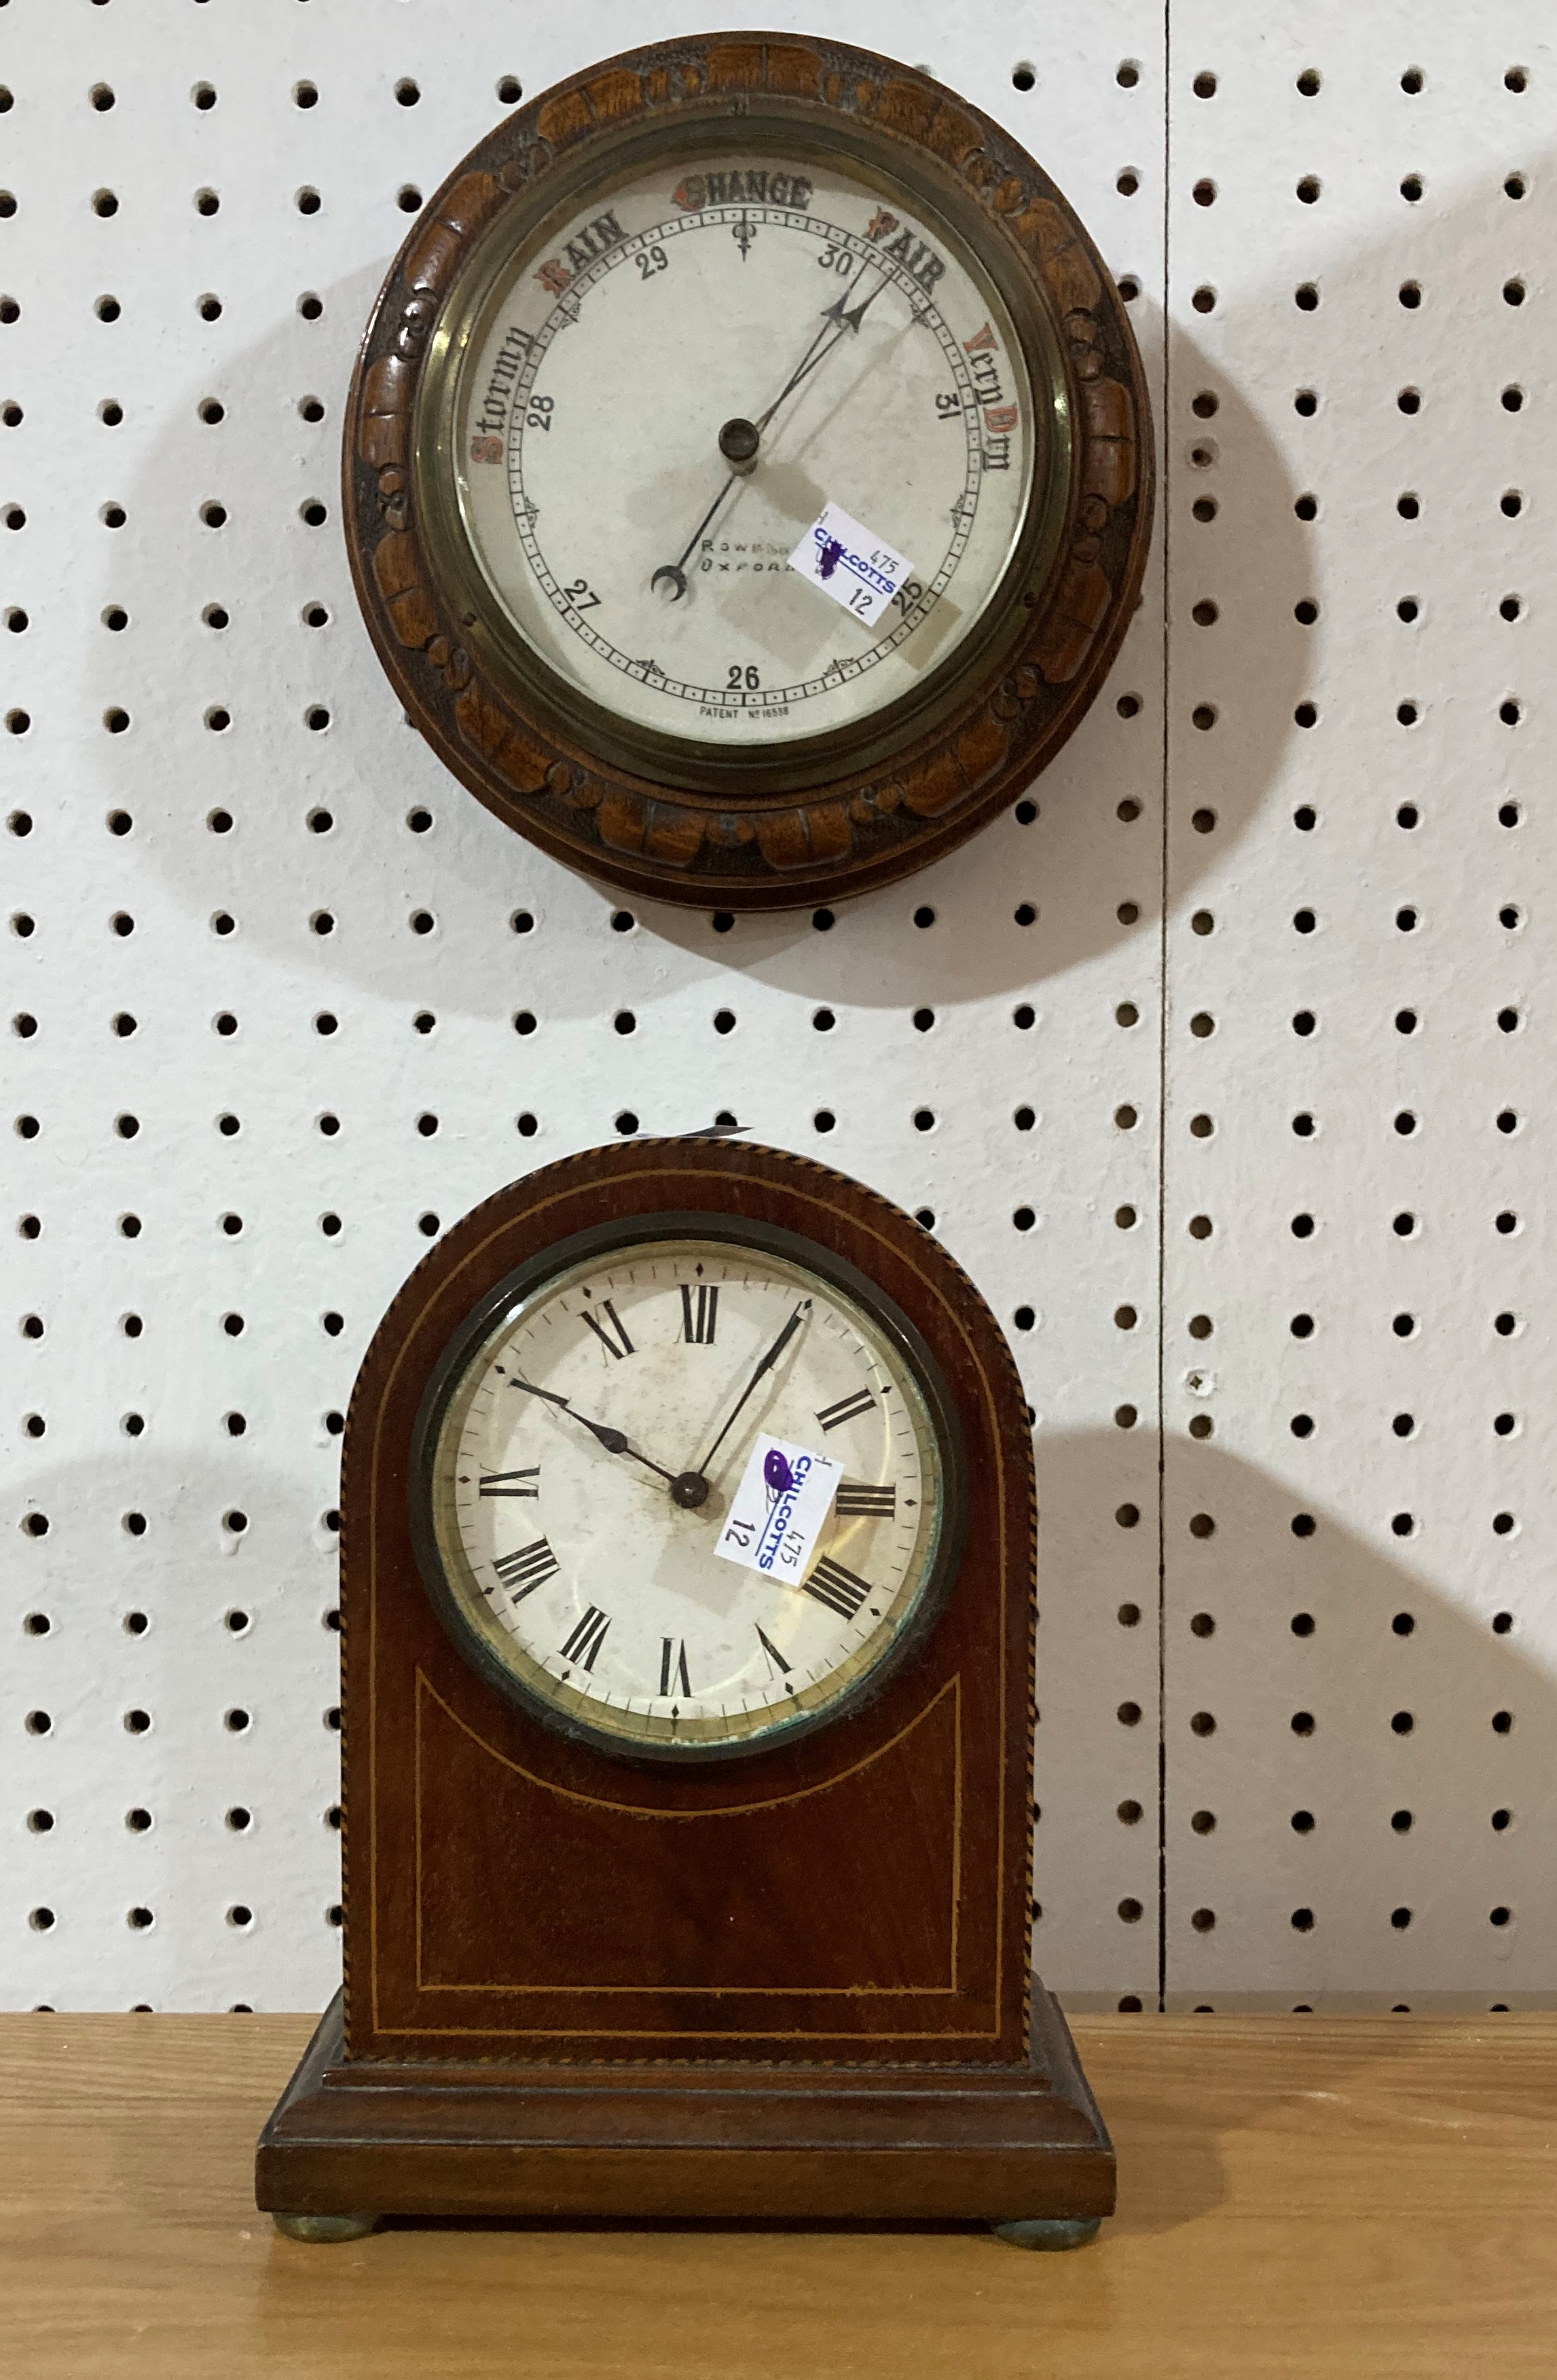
(766, 1365)
(614, 1440)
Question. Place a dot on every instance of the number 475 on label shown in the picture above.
(850, 562)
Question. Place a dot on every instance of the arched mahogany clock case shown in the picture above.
(797, 1982)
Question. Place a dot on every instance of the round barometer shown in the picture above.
(747, 471)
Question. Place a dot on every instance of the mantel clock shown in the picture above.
(688, 1606)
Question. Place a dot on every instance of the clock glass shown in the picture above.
(587, 1446)
(641, 409)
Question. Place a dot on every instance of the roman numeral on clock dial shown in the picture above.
(587, 1639)
(507, 1483)
(700, 1311)
(674, 1679)
(837, 1587)
(615, 1340)
(531, 1567)
(846, 1409)
(857, 1501)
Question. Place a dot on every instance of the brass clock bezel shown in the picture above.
(567, 1715)
(741, 830)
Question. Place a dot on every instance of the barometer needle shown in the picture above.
(843, 317)
(839, 317)
(766, 1365)
(614, 1440)
(674, 571)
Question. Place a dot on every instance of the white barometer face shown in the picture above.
(589, 1451)
(665, 389)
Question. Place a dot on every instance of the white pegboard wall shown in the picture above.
(311, 1104)
(1357, 1047)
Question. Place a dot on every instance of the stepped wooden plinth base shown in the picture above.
(1002, 2143)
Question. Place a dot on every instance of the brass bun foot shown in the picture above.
(319, 2231)
(1049, 2231)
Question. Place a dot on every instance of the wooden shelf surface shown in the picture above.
(1298, 2196)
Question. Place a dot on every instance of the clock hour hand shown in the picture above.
(614, 1440)
(763, 1368)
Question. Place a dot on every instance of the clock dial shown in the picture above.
(587, 1443)
(667, 386)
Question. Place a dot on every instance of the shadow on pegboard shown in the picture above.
(323, 824)
(1316, 1693)
(181, 1704)
(955, 930)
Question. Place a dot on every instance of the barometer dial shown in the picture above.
(653, 413)
(746, 474)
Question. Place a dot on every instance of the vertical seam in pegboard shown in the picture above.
(1165, 516)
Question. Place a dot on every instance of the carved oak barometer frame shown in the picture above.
(766, 825)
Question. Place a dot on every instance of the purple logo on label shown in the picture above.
(784, 1481)
(832, 551)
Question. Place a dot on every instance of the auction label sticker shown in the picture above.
(780, 1509)
(848, 562)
